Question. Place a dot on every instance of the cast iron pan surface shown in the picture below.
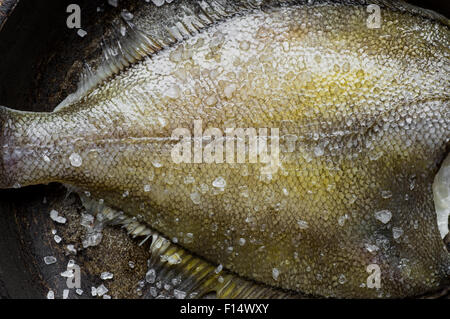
(40, 62)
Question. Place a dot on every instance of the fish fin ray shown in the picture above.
(200, 278)
(197, 277)
(138, 44)
(119, 53)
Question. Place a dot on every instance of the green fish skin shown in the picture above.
(363, 120)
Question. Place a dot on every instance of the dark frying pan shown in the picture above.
(40, 62)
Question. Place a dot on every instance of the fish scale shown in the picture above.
(367, 107)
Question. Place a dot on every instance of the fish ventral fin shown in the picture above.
(188, 275)
(197, 278)
(128, 44)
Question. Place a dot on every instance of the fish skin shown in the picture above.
(374, 102)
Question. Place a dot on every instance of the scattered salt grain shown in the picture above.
(218, 269)
(49, 260)
(113, 3)
(157, 164)
(386, 194)
(196, 199)
(106, 275)
(71, 249)
(54, 215)
(219, 182)
(342, 219)
(275, 273)
(65, 293)
(87, 220)
(302, 224)
(179, 294)
(127, 15)
(82, 34)
(101, 290)
(189, 179)
(371, 248)
(174, 259)
(176, 281)
(383, 216)
(397, 232)
(75, 160)
(158, 3)
(92, 239)
(50, 295)
(318, 151)
(150, 276)
(57, 239)
(189, 238)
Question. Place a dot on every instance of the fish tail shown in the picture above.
(26, 145)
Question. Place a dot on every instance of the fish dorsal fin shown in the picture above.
(170, 264)
(129, 44)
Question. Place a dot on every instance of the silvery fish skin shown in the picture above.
(363, 120)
